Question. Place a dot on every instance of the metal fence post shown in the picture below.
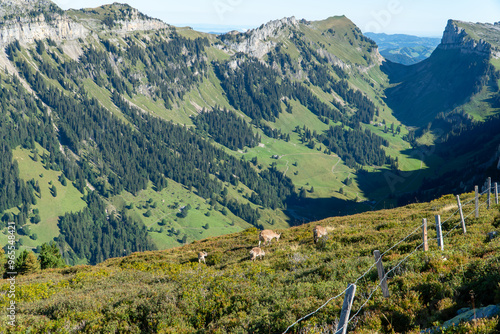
(439, 232)
(461, 214)
(477, 201)
(424, 234)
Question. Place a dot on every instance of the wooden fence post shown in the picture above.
(346, 309)
(439, 232)
(424, 234)
(461, 214)
(496, 192)
(489, 193)
(477, 201)
(381, 274)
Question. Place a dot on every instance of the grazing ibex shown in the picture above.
(255, 252)
(201, 257)
(267, 236)
(318, 232)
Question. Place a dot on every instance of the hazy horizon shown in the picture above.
(425, 18)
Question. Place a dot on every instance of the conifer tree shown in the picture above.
(50, 257)
(3, 261)
(27, 263)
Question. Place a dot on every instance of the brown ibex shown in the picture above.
(255, 252)
(267, 236)
(318, 232)
(201, 257)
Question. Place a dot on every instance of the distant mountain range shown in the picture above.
(404, 49)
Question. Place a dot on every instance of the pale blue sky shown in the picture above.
(423, 18)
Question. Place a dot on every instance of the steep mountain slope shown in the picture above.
(458, 69)
(179, 135)
(452, 100)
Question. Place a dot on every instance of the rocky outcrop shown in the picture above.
(136, 21)
(26, 30)
(457, 38)
(20, 7)
(19, 24)
(466, 315)
(139, 25)
(333, 59)
(256, 42)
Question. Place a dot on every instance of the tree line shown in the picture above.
(226, 128)
(96, 236)
(150, 150)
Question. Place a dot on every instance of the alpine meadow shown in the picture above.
(298, 177)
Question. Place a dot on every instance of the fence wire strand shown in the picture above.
(385, 277)
(479, 194)
(357, 280)
(465, 217)
(306, 316)
(395, 267)
(381, 255)
(401, 262)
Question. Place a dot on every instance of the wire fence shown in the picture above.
(393, 269)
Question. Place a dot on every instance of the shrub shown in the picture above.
(214, 258)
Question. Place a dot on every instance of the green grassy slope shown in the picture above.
(486, 31)
(165, 207)
(168, 291)
(68, 198)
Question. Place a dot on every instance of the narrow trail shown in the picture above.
(287, 167)
(333, 168)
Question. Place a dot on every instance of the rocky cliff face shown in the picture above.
(471, 38)
(29, 20)
(134, 20)
(256, 42)
(19, 7)
(139, 25)
(27, 29)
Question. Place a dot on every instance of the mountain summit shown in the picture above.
(472, 37)
(457, 70)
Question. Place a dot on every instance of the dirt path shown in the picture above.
(333, 168)
(287, 167)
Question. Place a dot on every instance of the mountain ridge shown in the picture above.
(316, 90)
(459, 35)
(436, 74)
(115, 74)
